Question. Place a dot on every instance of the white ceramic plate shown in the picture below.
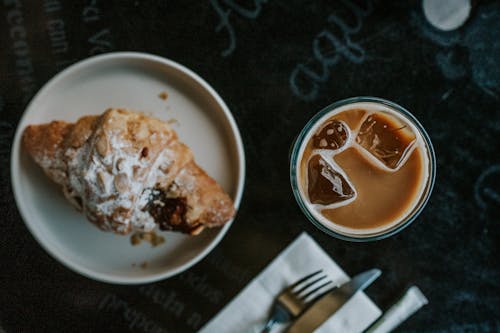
(131, 80)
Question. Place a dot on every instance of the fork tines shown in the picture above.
(308, 285)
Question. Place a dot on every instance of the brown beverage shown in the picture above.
(363, 168)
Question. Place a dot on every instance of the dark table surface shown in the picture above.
(260, 57)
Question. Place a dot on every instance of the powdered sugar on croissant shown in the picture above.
(127, 172)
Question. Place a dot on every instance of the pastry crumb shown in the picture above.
(163, 95)
(142, 265)
(173, 121)
(151, 237)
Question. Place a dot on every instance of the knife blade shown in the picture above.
(333, 300)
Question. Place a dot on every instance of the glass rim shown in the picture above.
(406, 221)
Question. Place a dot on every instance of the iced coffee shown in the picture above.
(362, 169)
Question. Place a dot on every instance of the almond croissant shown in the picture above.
(128, 172)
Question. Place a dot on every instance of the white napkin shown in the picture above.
(249, 310)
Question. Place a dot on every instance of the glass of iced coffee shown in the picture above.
(362, 169)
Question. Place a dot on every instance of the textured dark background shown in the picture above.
(258, 60)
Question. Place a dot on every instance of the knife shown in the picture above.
(333, 300)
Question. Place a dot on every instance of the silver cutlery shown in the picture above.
(315, 315)
(293, 300)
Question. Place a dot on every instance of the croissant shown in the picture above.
(128, 172)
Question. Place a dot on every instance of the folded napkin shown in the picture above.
(249, 310)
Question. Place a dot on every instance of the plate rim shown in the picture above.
(15, 160)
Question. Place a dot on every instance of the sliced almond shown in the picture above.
(120, 164)
(102, 145)
(101, 180)
(121, 183)
(138, 171)
(165, 166)
(197, 230)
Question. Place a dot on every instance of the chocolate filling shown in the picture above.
(79, 201)
(144, 152)
(169, 213)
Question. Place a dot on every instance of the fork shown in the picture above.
(294, 299)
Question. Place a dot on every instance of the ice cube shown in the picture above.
(326, 185)
(386, 138)
(332, 135)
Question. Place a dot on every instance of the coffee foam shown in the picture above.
(328, 155)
